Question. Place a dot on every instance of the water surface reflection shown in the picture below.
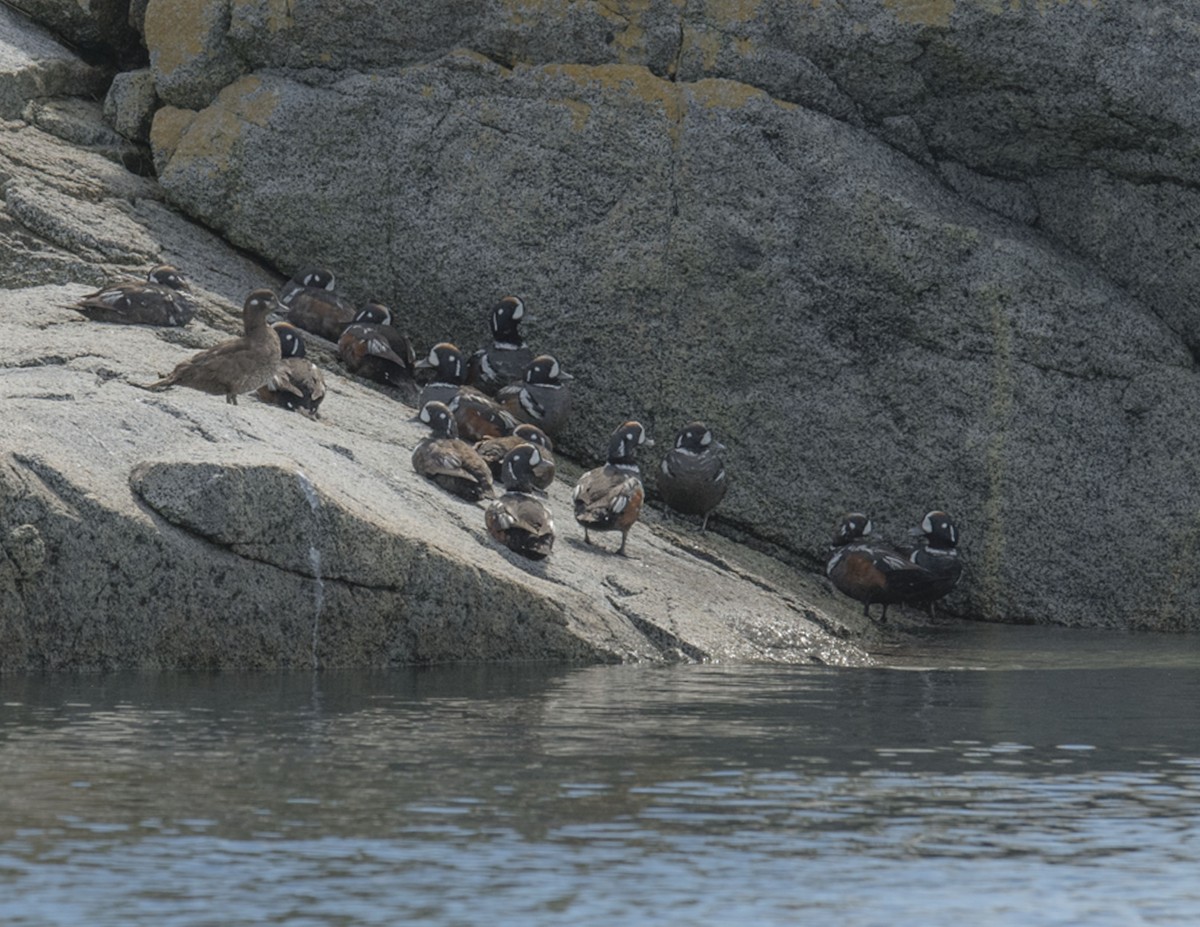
(632, 795)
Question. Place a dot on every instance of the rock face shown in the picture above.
(899, 255)
(143, 529)
(172, 530)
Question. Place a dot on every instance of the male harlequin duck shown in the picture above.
(449, 373)
(451, 463)
(305, 383)
(542, 398)
(157, 301)
(518, 520)
(373, 348)
(318, 278)
(691, 477)
(609, 498)
(313, 305)
(872, 571)
(494, 450)
(479, 416)
(239, 365)
(937, 552)
(507, 357)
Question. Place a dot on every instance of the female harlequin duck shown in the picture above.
(871, 571)
(451, 463)
(305, 382)
(449, 373)
(157, 301)
(518, 520)
(937, 552)
(543, 398)
(239, 365)
(494, 450)
(312, 305)
(691, 477)
(609, 498)
(507, 357)
(371, 347)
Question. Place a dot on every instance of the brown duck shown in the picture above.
(159, 300)
(239, 365)
(493, 451)
(518, 520)
(298, 384)
(448, 461)
(609, 498)
(312, 305)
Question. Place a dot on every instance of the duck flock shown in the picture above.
(493, 417)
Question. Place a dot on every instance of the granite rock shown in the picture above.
(167, 530)
(900, 255)
(130, 104)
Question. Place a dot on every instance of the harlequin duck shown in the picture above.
(373, 348)
(691, 477)
(542, 398)
(449, 373)
(448, 461)
(239, 365)
(507, 357)
(157, 301)
(609, 498)
(478, 416)
(314, 306)
(306, 382)
(872, 571)
(518, 520)
(493, 450)
(937, 552)
(317, 278)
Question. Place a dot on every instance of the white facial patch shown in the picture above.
(529, 404)
(425, 416)
(707, 439)
(927, 524)
(535, 458)
(554, 370)
(433, 357)
(518, 311)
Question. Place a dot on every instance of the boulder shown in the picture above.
(900, 256)
(168, 530)
(34, 66)
(98, 26)
(861, 335)
(130, 104)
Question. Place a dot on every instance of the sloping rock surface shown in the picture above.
(143, 529)
(900, 256)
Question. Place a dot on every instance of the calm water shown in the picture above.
(1035, 778)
